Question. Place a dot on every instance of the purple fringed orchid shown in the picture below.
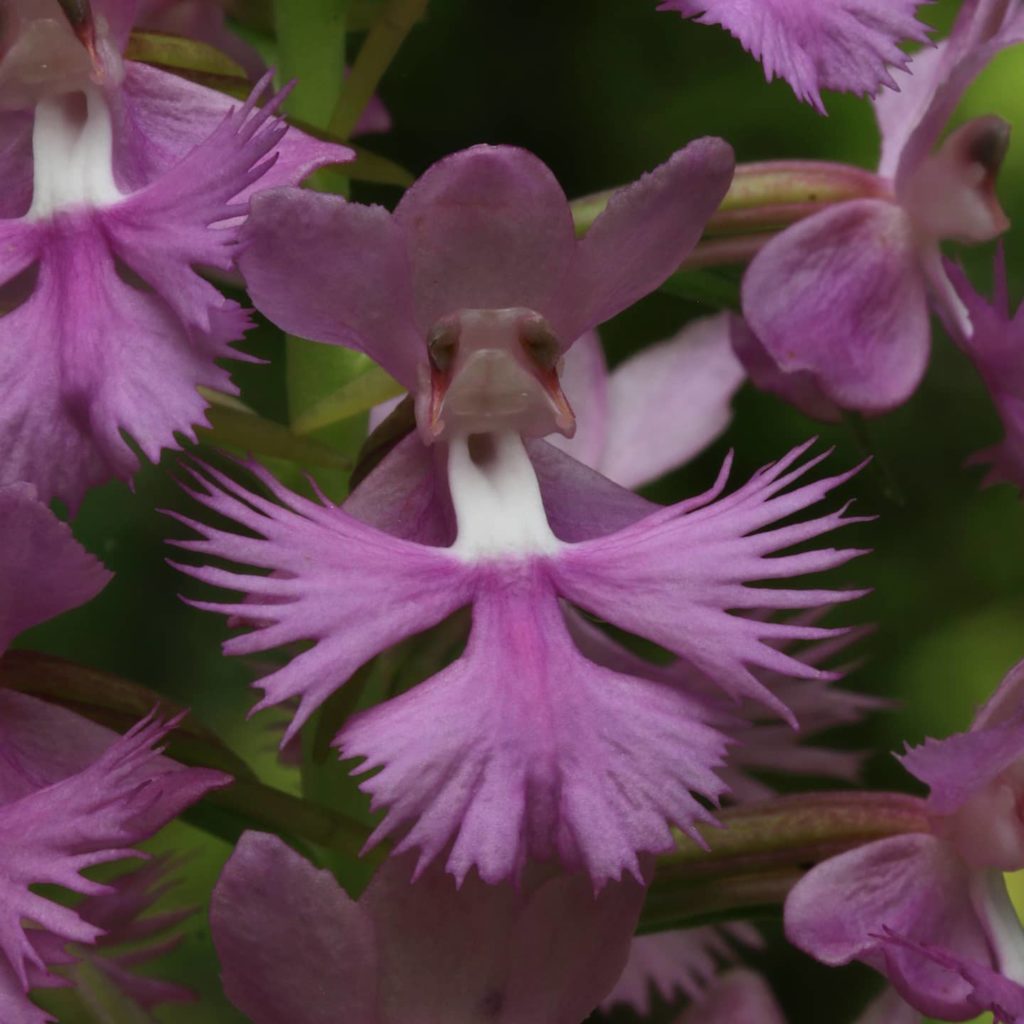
(119, 180)
(846, 45)
(523, 749)
(294, 948)
(839, 302)
(72, 793)
(995, 344)
(931, 910)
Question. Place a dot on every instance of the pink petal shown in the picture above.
(841, 296)
(334, 271)
(912, 885)
(990, 990)
(31, 759)
(647, 229)
(486, 228)
(912, 119)
(677, 962)
(669, 402)
(889, 1008)
(523, 750)
(165, 116)
(847, 45)
(580, 503)
(739, 997)
(45, 570)
(584, 380)
(962, 765)
(293, 947)
(50, 836)
(406, 495)
(352, 590)
(1005, 704)
(799, 388)
(683, 566)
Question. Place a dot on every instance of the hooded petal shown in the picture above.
(486, 228)
(677, 576)
(677, 962)
(295, 948)
(841, 296)
(647, 229)
(847, 45)
(913, 118)
(292, 946)
(334, 271)
(351, 589)
(164, 116)
(45, 571)
(914, 886)
(95, 816)
(669, 402)
(523, 750)
(739, 997)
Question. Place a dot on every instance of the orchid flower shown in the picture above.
(119, 181)
(840, 300)
(523, 749)
(931, 910)
(293, 947)
(72, 793)
(847, 45)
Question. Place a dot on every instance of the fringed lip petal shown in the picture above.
(841, 296)
(294, 947)
(542, 754)
(92, 817)
(45, 570)
(846, 45)
(682, 572)
(738, 997)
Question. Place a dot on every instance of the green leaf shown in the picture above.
(176, 53)
(368, 388)
(105, 1001)
(233, 425)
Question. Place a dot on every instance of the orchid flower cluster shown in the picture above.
(542, 746)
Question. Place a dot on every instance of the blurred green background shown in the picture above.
(603, 90)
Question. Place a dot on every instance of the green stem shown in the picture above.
(311, 49)
(392, 25)
(764, 848)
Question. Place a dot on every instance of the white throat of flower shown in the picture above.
(72, 149)
(992, 902)
(497, 498)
